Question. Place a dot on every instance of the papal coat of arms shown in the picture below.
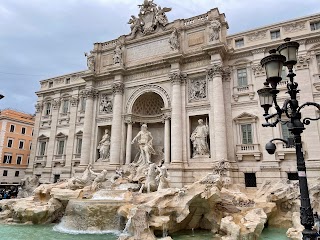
(150, 17)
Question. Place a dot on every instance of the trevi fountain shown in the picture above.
(173, 170)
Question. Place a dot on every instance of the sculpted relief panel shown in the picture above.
(105, 105)
(197, 89)
(147, 50)
(195, 38)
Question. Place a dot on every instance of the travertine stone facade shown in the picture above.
(169, 75)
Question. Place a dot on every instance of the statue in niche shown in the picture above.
(145, 146)
(117, 57)
(105, 104)
(197, 90)
(215, 27)
(90, 61)
(174, 40)
(199, 139)
(104, 146)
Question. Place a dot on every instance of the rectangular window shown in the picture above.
(32, 132)
(242, 77)
(318, 61)
(28, 160)
(246, 131)
(5, 173)
(293, 176)
(79, 145)
(12, 128)
(315, 26)
(10, 142)
(67, 80)
(21, 144)
(287, 135)
(19, 160)
(30, 145)
(23, 130)
(50, 84)
(250, 179)
(275, 34)
(65, 106)
(42, 148)
(239, 43)
(60, 149)
(16, 174)
(82, 104)
(7, 159)
(48, 108)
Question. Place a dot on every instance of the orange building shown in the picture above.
(16, 130)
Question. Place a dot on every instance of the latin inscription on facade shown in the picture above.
(148, 50)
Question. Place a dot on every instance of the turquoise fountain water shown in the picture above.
(47, 232)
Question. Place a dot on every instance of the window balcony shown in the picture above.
(248, 150)
(59, 159)
(239, 91)
(40, 161)
(283, 150)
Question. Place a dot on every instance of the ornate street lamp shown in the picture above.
(287, 56)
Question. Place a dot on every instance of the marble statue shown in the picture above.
(97, 182)
(161, 16)
(150, 17)
(150, 184)
(215, 27)
(135, 25)
(117, 57)
(199, 140)
(90, 61)
(27, 186)
(174, 40)
(163, 177)
(84, 180)
(104, 146)
(144, 139)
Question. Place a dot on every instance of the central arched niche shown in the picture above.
(148, 104)
(148, 109)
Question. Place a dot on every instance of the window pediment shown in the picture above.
(245, 117)
(43, 137)
(61, 135)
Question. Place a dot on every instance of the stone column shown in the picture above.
(116, 128)
(72, 130)
(53, 131)
(218, 111)
(90, 94)
(129, 139)
(176, 78)
(166, 119)
(34, 148)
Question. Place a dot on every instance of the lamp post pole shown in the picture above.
(268, 97)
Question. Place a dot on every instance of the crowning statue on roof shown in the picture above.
(149, 18)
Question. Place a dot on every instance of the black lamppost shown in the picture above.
(286, 55)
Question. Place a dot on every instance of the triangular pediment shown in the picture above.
(60, 135)
(42, 136)
(79, 133)
(245, 116)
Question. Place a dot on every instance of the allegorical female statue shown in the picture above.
(199, 140)
(104, 146)
(144, 139)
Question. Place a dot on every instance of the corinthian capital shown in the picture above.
(214, 70)
(118, 88)
(177, 77)
(90, 93)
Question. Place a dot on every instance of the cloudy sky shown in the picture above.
(46, 38)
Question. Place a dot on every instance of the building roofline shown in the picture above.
(73, 74)
(274, 24)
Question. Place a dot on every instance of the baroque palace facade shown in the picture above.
(169, 75)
